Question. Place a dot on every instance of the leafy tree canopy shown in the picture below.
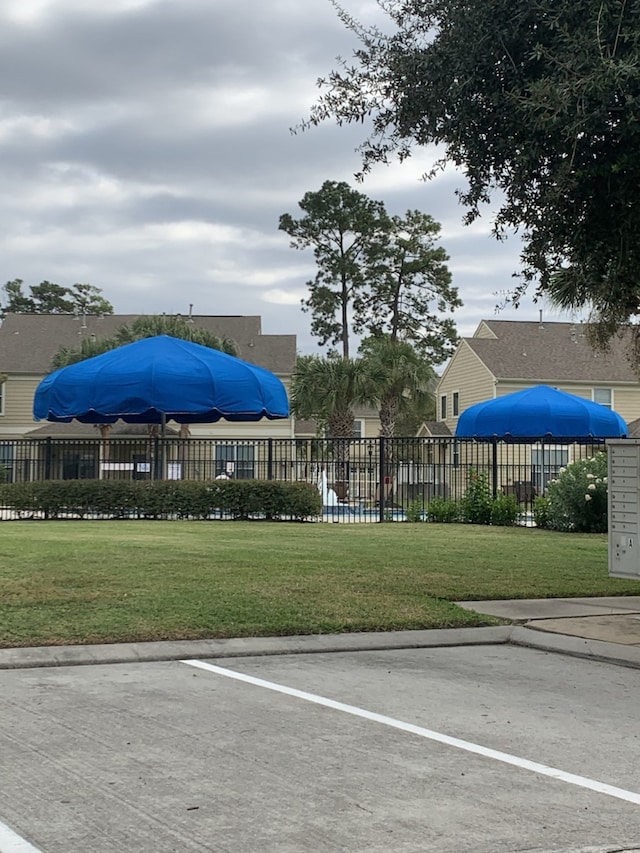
(537, 103)
(376, 274)
(342, 226)
(409, 295)
(50, 298)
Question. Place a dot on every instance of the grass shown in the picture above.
(88, 582)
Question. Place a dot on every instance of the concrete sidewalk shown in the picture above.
(606, 629)
(610, 620)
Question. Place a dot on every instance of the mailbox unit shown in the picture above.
(624, 507)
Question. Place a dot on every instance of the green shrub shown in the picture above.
(578, 497)
(163, 499)
(302, 501)
(415, 511)
(443, 511)
(504, 510)
(541, 512)
(154, 498)
(477, 501)
(20, 497)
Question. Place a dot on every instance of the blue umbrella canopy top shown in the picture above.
(540, 412)
(160, 379)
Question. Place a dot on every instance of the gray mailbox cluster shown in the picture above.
(624, 507)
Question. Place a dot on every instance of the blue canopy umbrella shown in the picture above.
(158, 379)
(538, 413)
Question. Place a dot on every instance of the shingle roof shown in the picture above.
(550, 352)
(28, 342)
(437, 428)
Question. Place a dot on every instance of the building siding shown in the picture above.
(468, 376)
(18, 394)
(626, 402)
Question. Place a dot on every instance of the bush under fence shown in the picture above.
(414, 479)
(162, 499)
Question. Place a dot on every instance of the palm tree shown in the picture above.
(89, 347)
(326, 390)
(176, 327)
(400, 378)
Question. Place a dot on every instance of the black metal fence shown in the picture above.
(359, 479)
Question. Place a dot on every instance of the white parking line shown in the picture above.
(496, 755)
(11, 842)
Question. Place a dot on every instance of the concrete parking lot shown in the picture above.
(490, 749)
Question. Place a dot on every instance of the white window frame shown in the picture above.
(358, 428)
(546, 462)
(3, 385)
(608, 405)
(455, 404)
(443, 407)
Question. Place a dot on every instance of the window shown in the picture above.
(6, 462)
(546, 463)
(604, 396)
(357, 432)
(2, 386)
(456, 404)
(236, 460)
(456, 454)
(78, 466)
(443, 407)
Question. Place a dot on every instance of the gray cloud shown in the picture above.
(145, 147)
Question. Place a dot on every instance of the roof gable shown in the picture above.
(428, 429)
(462, 349)
(484, 331)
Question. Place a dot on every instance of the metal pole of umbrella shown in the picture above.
(162, 446)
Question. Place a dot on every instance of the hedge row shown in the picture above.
(238, 499)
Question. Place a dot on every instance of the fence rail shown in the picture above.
(359, 479)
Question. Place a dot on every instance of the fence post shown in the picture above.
(494, 465)
(270, 459)
(381, 466)
(47, 458)
(157, 459)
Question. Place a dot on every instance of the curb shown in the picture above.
(579, 647)
(517, 635)
(46, 656)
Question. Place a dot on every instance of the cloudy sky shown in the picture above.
(146, 149)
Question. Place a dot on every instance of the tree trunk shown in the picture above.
(388, 414)
(105, 432)
(340, 425)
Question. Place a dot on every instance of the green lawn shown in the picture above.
(87, 582)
